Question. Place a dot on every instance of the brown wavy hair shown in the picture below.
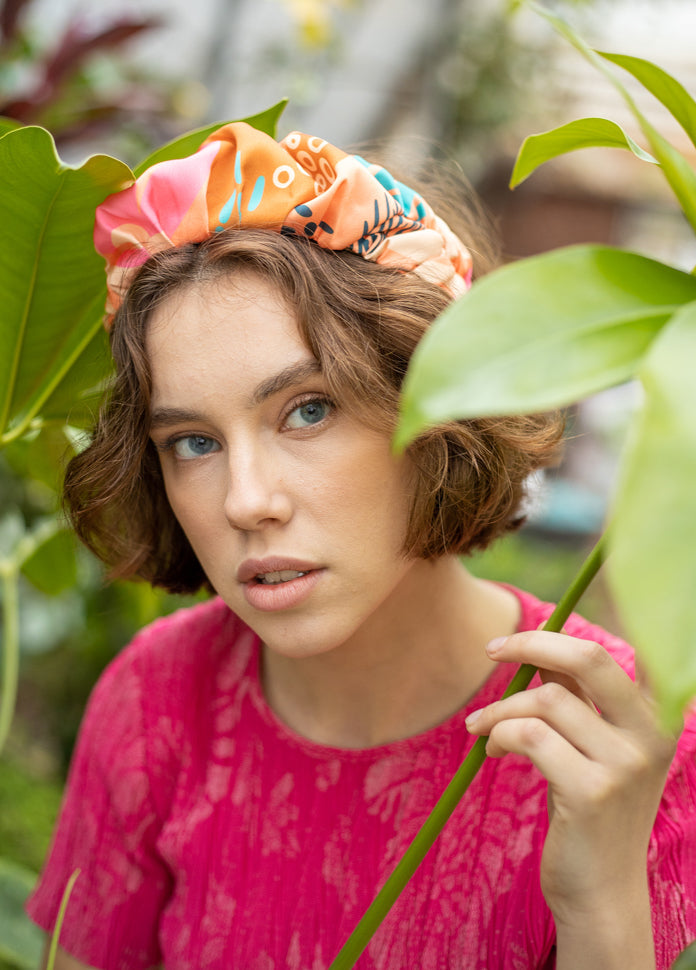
(362, 322)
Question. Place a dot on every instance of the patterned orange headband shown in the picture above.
(242, 177)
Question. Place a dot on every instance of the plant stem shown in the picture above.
(55, 936)
(10, 651)
(433, 825)
(9, 646)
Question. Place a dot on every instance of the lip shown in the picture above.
(283, 596)
(251, 568)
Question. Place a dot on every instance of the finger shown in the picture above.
(572, 686)
(595, 672)
(551, 675)
(563, 766)
(563, 711)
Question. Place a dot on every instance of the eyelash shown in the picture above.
(302, 402)
(170, 444)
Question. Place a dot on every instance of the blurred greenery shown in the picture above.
(57, 675)
(29, 804)
(544, 564)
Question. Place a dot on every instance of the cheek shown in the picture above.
(376, 492)
(191, 502)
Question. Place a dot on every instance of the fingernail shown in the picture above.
(495, 646)
(472, 718)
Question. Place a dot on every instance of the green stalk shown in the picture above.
(55, 937)
(433, 825)
(9, 647)
(10, 650)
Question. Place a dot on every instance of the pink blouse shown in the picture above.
(211, 837)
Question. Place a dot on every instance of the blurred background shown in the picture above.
(458, 81)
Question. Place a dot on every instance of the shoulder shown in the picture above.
(190, 630)
(183, 647)
(171, 672)
(149, 711)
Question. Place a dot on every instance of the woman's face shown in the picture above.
(296, 511)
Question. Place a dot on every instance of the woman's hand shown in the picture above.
(592, 732)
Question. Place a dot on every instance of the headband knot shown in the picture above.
(242, 177)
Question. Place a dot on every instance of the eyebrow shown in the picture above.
(288, 377)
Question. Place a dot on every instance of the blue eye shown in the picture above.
(307, 414)
(194, 446)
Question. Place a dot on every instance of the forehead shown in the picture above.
(223, 326)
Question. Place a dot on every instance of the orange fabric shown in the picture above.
(302, 184)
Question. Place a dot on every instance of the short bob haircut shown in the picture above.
(362, 322)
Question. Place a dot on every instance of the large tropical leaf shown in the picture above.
(53, 355)
(539, 334)
(583, 133)
(52, 566)
(266, 121)
(51, 278)
(652, 567)
(40, 457)
(8, 124)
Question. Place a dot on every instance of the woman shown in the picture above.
(250, 770)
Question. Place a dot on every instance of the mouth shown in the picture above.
(277, 585)
(278, 577)
(273, 570)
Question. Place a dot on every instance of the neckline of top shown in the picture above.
(491, 689)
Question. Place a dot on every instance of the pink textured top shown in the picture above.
(209, 835)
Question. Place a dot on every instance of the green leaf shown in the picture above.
(540, 334)
(686, 959)
(52, 567)
(21, 942)
(76, 397)
(652, 567)
(51, 278)
(40, 458)
(663, 86)
(266, 121)
(584, 133)
(8, 124)
(676, 169)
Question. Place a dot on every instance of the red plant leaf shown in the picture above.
(20, 109)
(77, 44)
(10, 11)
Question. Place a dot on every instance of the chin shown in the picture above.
(300, 648)
(301, 641)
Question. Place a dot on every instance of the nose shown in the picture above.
(257, 497)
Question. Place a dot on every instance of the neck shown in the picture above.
(411, 665)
